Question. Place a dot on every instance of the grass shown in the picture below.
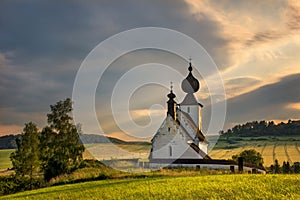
(4, 158)
(197, 187)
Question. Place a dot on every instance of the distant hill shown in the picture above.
(92, 138)
(9, 141)
(263, 128)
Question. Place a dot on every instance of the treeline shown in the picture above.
(264, 128)
(286, 168)
(42, 155)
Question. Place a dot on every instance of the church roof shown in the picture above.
(199, 151)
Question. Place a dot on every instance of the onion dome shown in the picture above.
(190, 84)
(171, 95)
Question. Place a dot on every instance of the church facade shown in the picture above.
(180, 135)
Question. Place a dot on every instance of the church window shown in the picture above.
(169, 129)
(170, 150)
(188, 109)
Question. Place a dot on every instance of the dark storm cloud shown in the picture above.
(45, 42)
(268, 102)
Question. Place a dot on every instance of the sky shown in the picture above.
(255, 45)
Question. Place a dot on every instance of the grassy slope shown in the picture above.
(199, 187)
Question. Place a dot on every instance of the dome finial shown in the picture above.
(190, 64)
(171, 86)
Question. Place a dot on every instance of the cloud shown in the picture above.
(267, 102)
(294, 106)
(237, 86)
(42, 45)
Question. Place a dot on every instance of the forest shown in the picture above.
(264, 128)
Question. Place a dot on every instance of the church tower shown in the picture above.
(189, 105)
(172, 104)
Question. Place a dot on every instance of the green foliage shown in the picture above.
(285, 169)
(12, 184)
(263, 128)
(25, 159)
(277, 168)
(296, 167)
(250, 156)
(60, 144)
(192, 187)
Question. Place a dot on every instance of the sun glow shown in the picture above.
(295, 106)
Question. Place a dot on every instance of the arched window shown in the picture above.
(170, 151)
(169, 129)
(188, 109)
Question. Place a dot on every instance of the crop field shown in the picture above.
(196, 187)
(280, 151)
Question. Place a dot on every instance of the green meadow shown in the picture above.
(4, 158)
(189, 187)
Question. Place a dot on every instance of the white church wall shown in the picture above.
(170, 142)
(195, 113)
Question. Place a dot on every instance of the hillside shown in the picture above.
(281, 141)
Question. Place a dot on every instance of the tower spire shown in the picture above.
(171, 103)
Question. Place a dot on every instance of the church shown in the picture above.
(180, 142)
(180, 135)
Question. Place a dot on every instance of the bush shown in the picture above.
(12, 184)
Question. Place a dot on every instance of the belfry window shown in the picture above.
(169, 129)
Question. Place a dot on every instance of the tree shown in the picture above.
(296, 167)
(25, 159)
(286, 168)
(61, 147)
(250, 156)
(277, 168)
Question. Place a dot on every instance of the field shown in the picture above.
(4, 158)
(197, 187)
(271, 148)
(282, 149)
